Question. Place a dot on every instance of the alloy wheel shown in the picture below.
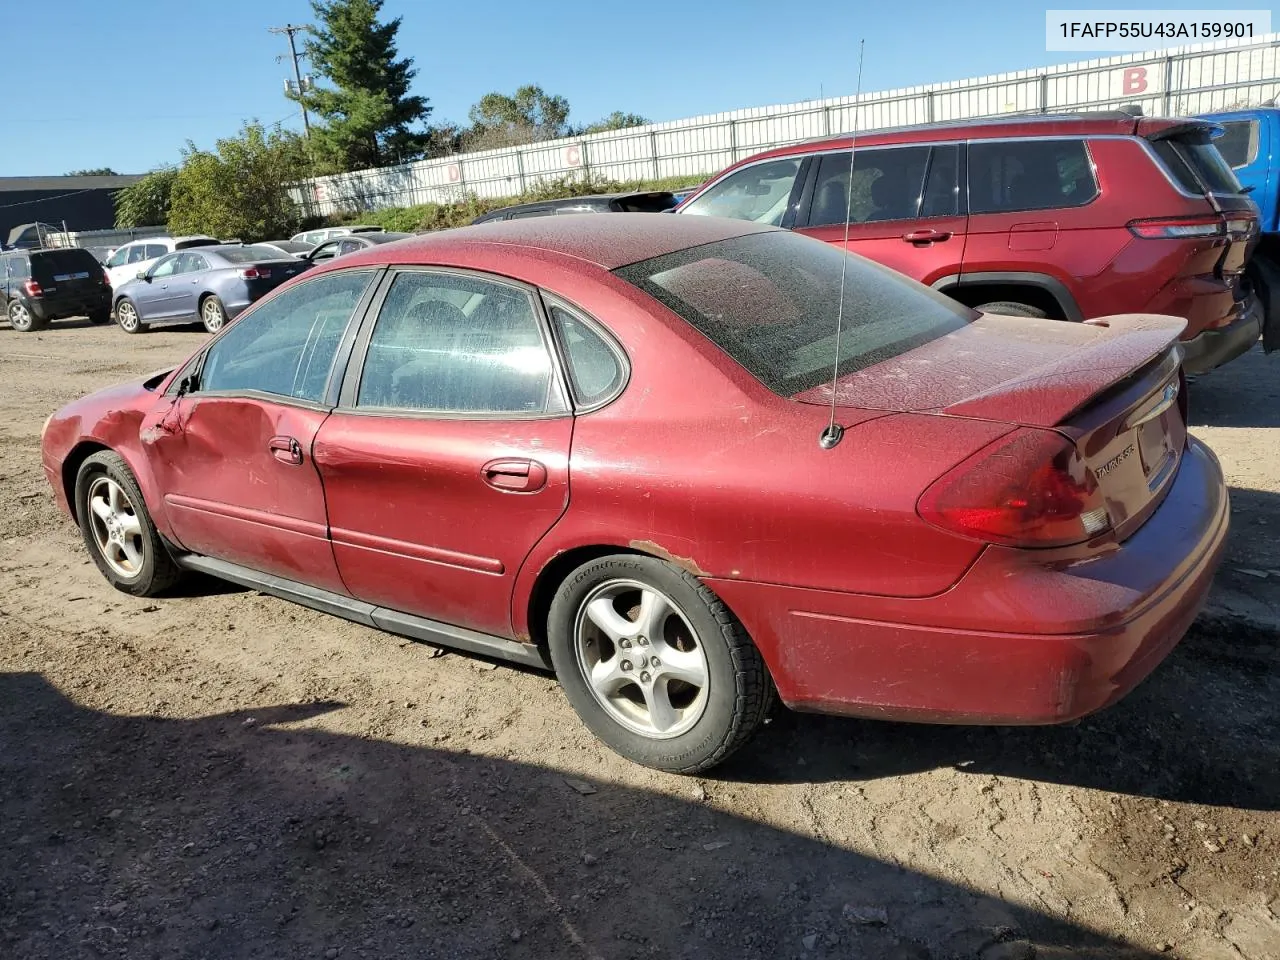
(117, 531)
(127, 316)
(19, 317)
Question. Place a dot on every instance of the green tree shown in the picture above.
(614, 121)
(528, 115)
(145, 203)
(369, 117)
(94, 172)
(240, 189)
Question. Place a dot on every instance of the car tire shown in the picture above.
(127, 317)
(100, 318)
(1011, 308)
(1264, 277)
(22, 319)
(213, 314)
(710, 690)
(118, 530)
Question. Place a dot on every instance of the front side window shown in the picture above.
(1009, 175)
(887, 184)
(154, 250)
(456, 345)
(139, 253)
(120, 257)
(1239, 144)
(286, 346)
(166, 267)
(769, 301)
(326, 251)
(759, 193)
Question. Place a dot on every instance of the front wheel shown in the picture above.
(212, 314)
(118, 530)
(655, 664)
(127, 317)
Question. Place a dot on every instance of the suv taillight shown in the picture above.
(253, 273)
(32, 288)
(1028, 489)
(1178, 228)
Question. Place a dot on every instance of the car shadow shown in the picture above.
(256, 833)
(1201, 729)
(1242, 393)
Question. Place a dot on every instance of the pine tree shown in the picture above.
(370, 120)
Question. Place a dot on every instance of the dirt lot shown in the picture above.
(221, 774)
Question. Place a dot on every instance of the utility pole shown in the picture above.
(289, 30)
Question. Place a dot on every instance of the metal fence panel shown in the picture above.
(1179, 81)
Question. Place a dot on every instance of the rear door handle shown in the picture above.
(285, 449)
(515, 476)
(926, 236)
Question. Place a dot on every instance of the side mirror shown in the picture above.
(141, 275)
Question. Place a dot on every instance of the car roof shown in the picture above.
(608, 242)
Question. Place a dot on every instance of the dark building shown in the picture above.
(84, 203)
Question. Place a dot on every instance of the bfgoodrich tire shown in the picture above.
(655, 664)
(118, 530)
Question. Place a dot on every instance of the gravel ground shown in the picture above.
(222, 774)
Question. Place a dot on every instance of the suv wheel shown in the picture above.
(1011, 308)
(655, 664)
(22, 319)
(118, 530)
(100, 317)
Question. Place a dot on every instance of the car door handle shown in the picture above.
(515, 476)
(285, 449)
(926, 236)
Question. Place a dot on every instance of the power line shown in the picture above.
(61, 196)
(290, 30)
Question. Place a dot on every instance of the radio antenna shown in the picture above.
(834, 432)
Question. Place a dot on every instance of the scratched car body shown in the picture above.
(592, 444)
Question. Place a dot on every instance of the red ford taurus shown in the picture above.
(601, 444)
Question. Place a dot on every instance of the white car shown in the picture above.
(317, 237)
(132, 258)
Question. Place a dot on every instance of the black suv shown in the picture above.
(37, 286)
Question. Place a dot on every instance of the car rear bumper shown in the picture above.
(1018, 640)
(1214, 347)
(76, 305)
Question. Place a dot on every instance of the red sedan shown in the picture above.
(602, 445)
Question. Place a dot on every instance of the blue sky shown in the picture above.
(127, 82)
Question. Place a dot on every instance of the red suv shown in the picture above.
(1071, 217)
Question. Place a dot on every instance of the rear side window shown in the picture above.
(286, 346)
(19, 268)
(759, 192)
(456, 345)
(1029, 175)
(1196, 166)
(1239, 144)
(595, 369)
(769, 300)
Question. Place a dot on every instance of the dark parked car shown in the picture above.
(653, 201)
(594, 445)
(212, 284)
(340, 246)
(294, 248)
(37, 286)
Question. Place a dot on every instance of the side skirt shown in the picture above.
(380, 618)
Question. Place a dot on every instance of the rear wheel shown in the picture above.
(100, 317)
(1011, 308)
(655, 664)
(127, 317)
(22, 319)
(118, 530)
(212, 314)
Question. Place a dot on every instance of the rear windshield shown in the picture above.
(650, 203)
(769, 300)
(1197, 166)
(196, 242)
(59, 264)
(250, 254)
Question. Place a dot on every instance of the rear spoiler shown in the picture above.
(1198, 131)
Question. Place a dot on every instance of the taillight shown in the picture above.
(1178, 228)
(32, 288)
(255, 273)
(1028, 489)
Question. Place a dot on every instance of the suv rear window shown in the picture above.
(1007, 175)
(769, 300)
(49, 264)
(1196, 165)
